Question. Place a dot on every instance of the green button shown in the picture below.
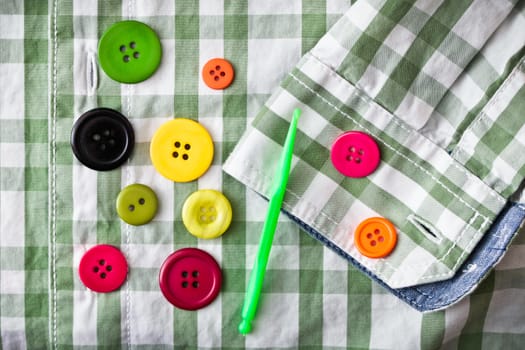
(129, 52)
(137, 204)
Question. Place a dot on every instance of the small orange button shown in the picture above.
(375, 237)
(218, 73)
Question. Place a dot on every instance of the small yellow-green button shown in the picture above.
(129, 51)
(137, 204)
(207, 214)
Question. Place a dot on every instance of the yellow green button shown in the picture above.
(181, 150)
(207, 214)
(137, 204)
(129, 51)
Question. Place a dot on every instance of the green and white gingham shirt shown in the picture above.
(439, 84)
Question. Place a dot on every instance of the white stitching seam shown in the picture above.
(397, 122)
(54, 328)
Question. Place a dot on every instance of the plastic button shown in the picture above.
(207, 214)
(103, 268)
(218, 73)
(137, 204)
(190, 278)
(375, 237)
(355, 154)
(181, 150)
(129, 52)
(102, 139)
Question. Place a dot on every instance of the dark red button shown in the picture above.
(190, 278)
(103, 268)
(355, 154)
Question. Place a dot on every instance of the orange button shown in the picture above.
(218, 73)
(375, 237)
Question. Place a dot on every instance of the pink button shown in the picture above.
(103, 268)
(355, 154)
(190, 278)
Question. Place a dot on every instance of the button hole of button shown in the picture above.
(185, 157)
(184, 284)
(95, 269)
(212, 218)
(126, 58)
(187, 147)
(204, 218)
(349, 158)
(96, 137)
(184, 274)
(131, 207)
(358, 160)
(136, 54)
(103, 275)
(177, 144)
(212, 209)
(380, 239)
(212, 72)
(101, 262)
(175, 154)
(376, 231)
(216, 78)
(106, 132)
(195, 284)
(361, 152)
(122, 48)
(111, 142)
(369, 236)
(373, 243)
(351, 149)
(222, 74)
(142, 201)
(132, 44)
(217, 67)
(102, 147)
(195, 273)
(203, 210)
(109, 268)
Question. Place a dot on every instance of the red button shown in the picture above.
(190, 278)
(355, 154)
(103, 268)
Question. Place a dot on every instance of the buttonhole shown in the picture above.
(184, 284)
(96, 137)
(212, 72)
(102, 147)
(373, 243)
(185, 157)
(131, 207)
(95, 269)
(361, 152)
(195, 273)
(91, 73)
(111, 142)
(426, 228)
(101, 262)
(109, 268)
(177, 144)
(136, 54)
(184, 274)
(352, 149)
(103, 275)
(142, 201)
(203, 218)
(195, 284)
(223, 74)
(376, 231)
(380, 239)
(187, 147)
(349, 158)
(212, 218)
(175, 154)
(216, 78)
(132, 44)
(217, 67)
(203, 210)
(369, 236)
(358, 160)
(106, 132)
(122, 48)
(126, 58)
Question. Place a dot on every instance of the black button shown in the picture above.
(102, 139)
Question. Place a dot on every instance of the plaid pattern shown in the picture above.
(53, 209)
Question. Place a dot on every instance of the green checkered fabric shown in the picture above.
(440, 133)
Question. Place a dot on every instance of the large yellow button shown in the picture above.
(207, 214)
(181, 150)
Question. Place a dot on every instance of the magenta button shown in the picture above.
(103, 268)
(190, 278)
(355, 154)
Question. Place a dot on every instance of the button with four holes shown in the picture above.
(218, 73)
(103, 268)
(137, 204)
(355, 154)
(207, 214)
(102, 139)
(375, 237)
(181, 150)
(190, 278)
(129, 51)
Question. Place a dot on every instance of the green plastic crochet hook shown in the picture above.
(259, 267)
